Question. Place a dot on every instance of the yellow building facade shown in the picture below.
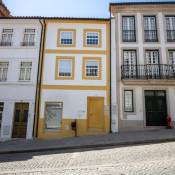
(74, 99)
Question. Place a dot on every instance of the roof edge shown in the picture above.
(142, 3)
(54, 18)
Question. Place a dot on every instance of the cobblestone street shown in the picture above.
(155, 159)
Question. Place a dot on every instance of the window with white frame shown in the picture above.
(3, 71)
(1, 114)
(25, 71)
(65, 67)
(128, 101)
(170, 28)
(92, 38)
(53, 115)
(6, 38)
(29, 37)
(92, 68)
(129, 57)
(152, 56)
(128, 29)
(129, 63)
(150, 29)
(171, 57)
(67, 37)
(171, 60)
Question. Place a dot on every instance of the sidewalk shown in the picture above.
(124, 138)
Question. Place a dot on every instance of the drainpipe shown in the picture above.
(39, 74)
(110, 76)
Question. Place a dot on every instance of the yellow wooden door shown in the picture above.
(95, 112)
(20, 120)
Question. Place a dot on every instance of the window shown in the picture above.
(92, 68)
(65, 68)
(128, 101)
(152, 64)
(129, 57)
(6, 39)
(129, 63)
(171, 56)
(25, 71)
(67, 37)
(53, 115)
(3, 71)
(152, 56)
(1, 113)
(150, 29)
(29, 37)
(92, 38)
(128, 29)
(170, 28)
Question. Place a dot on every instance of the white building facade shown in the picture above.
(143, 64)
(19, 58)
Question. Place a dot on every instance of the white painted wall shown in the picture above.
(52, 35)
(13, 90)
(140, 45)
(74, 101)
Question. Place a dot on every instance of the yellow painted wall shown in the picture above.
(66, 130)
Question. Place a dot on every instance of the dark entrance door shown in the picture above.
(156, 108)
(20, 120)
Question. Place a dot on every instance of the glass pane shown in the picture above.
(65, 68)
(53, 116)
(66, 38)
(92, 38)
(92, 68)
(149, 93)
(128, 95)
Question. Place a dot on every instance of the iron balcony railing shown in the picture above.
(4, 43)
(171, 35)
(28, 44)
(149, 71)
(150, 35)
(129, 35)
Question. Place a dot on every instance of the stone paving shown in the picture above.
(152, 159)
(125, 138)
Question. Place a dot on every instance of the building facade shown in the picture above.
(4, 12)
(19, 56)
(74, 96)
(143, 64)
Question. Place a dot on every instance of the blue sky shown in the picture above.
(66, 8)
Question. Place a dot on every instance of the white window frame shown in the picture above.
(29, 68)
(170, 28)
(59, 106)
(171, 62)
(7, 33)
(129, 105)
(29, 37)
(3, 70)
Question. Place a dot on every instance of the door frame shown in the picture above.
(95, 97)
(143, 99)
(12, 126)
(144, 107)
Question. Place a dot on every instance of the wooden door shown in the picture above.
(95, 113)
(20, 120)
